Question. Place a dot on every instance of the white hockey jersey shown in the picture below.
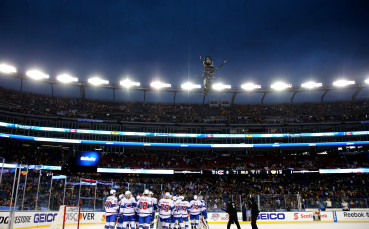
(155, 203)
(144, 206)
(127, 206)
(177, 210)
(196, 207)
(166, 207)
(185, 207)
(111, 205)
(203, 205)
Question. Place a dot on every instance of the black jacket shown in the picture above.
(231, 211)
(254, 208)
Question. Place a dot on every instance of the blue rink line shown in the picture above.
(181, 145)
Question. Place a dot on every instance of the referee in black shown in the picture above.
(232, 212)
(254, 212)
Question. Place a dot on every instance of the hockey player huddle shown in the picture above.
(140, 213)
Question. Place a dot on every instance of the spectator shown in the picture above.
(345, 206)
(328, 203)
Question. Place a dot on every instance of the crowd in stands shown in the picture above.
(214, 188)
(276, 192)
(36, 154)
(28, 103)
(226, 160)
(32, 154)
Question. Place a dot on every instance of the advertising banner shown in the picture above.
(352, 216)
(29, 220)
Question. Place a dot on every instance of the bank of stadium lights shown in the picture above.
(127, 83)
(343, 83)
(65, 78)
(280, 86)
(311, 85)
(189, 86)
(221, 86)
(159, 85)
(37, 74)
(97, 81)
(250, 86)
(7, 69)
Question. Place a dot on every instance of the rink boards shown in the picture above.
(29, 220)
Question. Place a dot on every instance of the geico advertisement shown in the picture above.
(352, 216)
(26, 219)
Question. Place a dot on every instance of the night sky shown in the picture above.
(263, 40)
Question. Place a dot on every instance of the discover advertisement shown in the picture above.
(28, 220)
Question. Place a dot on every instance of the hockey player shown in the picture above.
(111, 208)
(127, 211)
(120, 211)
(204, 213)
(195, 210)
(166, 207)
(155, 206)
(136, 210)
(185, 205)
(144, 210)
(177, 213)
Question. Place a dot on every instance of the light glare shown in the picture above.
(250, 86)
(159, 85)
(7, 69)
(37, 74)
(221, 86)
(127, 83)
(65, 78)
(311, 85)
(343, 83)
(97, 81)
(189, 86)
(280, 86)
(367, 81)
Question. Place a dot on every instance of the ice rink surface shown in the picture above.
(274, 226)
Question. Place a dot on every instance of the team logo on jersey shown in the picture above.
(215, 216)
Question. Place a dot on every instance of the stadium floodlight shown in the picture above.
(343, 83)
(250, 86)
(65, 78)
(37, 74)
(189, 86)
(311, 85)
(280, 86)
(221, 86)
(159, 85)
(367, 81)
(97, 81)
(7, 69)
(127, 83)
